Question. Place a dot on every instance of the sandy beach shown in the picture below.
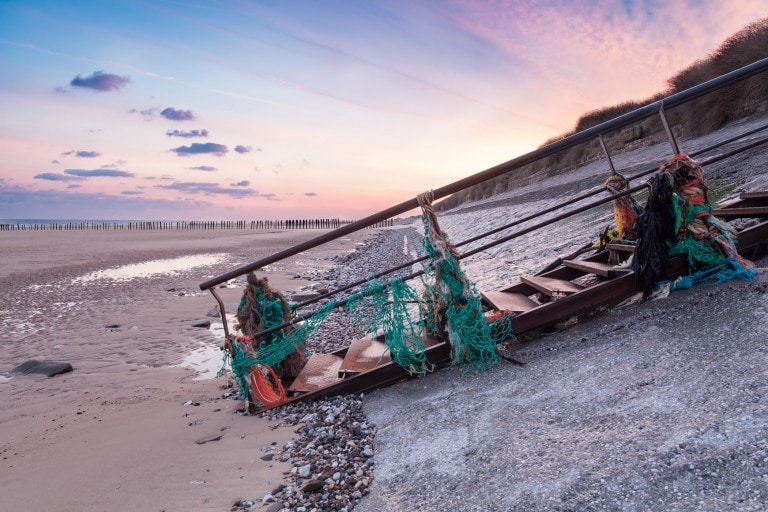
(124, 430)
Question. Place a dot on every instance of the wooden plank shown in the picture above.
(505, 301)
(595, 267)
(550, 286)
(621, 247)
(754, 195)
(364, 354)
(734, 213)
(322, 370)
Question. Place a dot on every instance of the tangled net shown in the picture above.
(678, 220)
(449, 309)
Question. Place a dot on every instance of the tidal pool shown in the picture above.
(170, 267)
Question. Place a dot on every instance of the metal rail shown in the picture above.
(517, 222)
(550, 149)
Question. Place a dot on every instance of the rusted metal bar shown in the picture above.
(550, 149)
(607, 154)
(222, 312)
(670, 135)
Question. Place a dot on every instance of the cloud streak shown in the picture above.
(82, 154)
(101, 81)
(197, 148)
(188, 134)
(214, 189)
(99, 173)
(55, 176)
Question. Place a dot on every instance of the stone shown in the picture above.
(313, 485)
(209, 439)
(47, 368)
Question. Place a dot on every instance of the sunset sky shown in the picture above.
(289, 109)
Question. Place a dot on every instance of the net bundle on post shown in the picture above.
(455, 303)
(678, 220)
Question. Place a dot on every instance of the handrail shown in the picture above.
(514, 235)
(567, 202)
(550, 149)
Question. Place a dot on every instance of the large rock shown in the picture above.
(47, 368)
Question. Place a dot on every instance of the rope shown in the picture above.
(625, 210)
(455, 304)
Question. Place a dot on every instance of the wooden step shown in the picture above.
(738, 213)
(621, 247)
(322, 370)
(595, 267)
(363, 355)
(550, 286)
(506, 301)
(754, 195)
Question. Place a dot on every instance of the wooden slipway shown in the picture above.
(573, 288)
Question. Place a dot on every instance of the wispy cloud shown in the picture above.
(206, 168)
(99, 173)
(55, 176)
(101, 81)
(146, 112)
(177, 115)
(310, 194)
(82, 154)
(132, 192)
(188, 134)
(197, 148)
(244, 183)
(243, 149)
(214, 189)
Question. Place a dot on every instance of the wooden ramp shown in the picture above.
(574, 288)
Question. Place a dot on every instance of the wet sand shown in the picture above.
(115, 434)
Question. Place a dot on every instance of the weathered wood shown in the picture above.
(505, 301)
(363, 355)
(754, 195)
(550, 286)
(621, 247)
(595, 267)
(322, 370)
(738, 213)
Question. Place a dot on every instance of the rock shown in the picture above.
(47, 368)
(209, 439)
(268, 456)
(275, 507)
(313, 485)
(214, 312)
(203, 324)
(305, 471)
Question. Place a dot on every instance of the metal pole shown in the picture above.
(670, 135)
(607, 154)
